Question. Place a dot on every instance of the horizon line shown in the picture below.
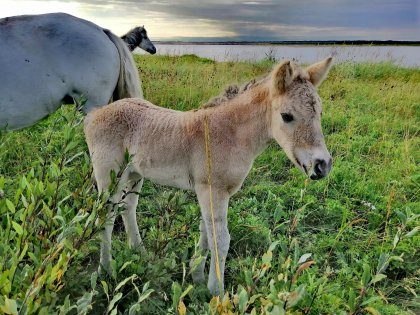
(245, 42)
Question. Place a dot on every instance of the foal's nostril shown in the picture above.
(321, 168)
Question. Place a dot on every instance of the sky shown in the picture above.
(256, 20)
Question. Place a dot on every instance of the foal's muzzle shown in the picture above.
(321, 168)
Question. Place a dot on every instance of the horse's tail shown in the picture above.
(129, 84)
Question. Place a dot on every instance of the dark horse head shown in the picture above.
(137, 37)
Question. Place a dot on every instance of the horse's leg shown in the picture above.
(221, 237)
(103, 180)
(129, 215)
(197, 267)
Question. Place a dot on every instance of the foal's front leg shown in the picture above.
(217, 235)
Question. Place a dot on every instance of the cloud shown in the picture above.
(259, 19)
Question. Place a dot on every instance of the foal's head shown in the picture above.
(296, 116)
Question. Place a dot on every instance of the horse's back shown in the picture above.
(52, 37)
(46, 58)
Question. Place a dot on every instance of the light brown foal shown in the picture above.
(168, 147)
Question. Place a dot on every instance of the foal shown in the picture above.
(169, 148)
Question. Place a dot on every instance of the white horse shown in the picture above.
(176, 149)
(50, 59)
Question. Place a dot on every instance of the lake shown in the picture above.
(407, 56)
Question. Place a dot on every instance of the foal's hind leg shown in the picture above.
(129, 215)
(196, 265)
(103, 180)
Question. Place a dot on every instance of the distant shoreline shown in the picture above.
(293, 42)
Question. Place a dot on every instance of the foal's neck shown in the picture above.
(250, 115)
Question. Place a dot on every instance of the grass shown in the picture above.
(359, 225)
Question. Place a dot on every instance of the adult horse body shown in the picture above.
(50, 58)
(172, 148)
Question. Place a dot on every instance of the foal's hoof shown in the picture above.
(105, 270)
(197, 271)
(213, 287)
(197, 264)
(138, 246)
(198, 277)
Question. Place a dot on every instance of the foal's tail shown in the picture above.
(129, 84)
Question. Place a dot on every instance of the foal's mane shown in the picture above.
(232, 91)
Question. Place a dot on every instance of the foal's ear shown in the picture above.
(318, 71)
(281, 78)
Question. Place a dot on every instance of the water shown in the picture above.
(407, 56)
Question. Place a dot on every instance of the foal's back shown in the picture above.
(132, 123)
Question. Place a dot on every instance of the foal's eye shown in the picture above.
(287, 117)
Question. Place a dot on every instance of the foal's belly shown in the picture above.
(168, 176)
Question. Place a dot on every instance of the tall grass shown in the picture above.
(347, 244)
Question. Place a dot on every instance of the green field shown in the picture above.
(359, 225)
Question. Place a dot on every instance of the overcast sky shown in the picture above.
(242, 20)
